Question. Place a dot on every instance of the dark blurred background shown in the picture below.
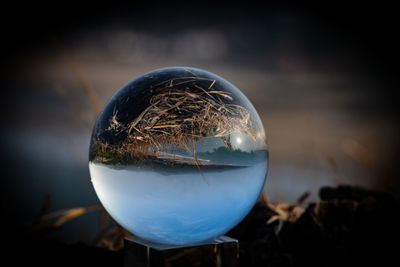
(323, 80)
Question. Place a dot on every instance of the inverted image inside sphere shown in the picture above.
(178, 156)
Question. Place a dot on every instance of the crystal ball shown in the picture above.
(178, 156)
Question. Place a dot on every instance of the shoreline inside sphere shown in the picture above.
(178, 156)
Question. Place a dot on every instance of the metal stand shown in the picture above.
(221, 252)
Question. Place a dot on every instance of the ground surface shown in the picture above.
(348, 227)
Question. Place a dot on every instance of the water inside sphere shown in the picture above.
(178, 156)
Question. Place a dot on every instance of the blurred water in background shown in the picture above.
(325, 119)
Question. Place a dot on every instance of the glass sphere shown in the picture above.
(178, 156)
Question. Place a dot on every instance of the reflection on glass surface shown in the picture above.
(178, 156)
